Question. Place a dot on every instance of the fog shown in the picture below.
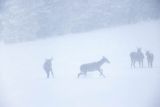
(79, 53)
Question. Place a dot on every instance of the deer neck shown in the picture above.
(101, 62)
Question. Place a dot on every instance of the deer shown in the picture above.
(94, 66)
(150, 58)
(47, 66)
(137, 57)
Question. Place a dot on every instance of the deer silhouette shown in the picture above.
(150, 58)
(47, 66)
(137, 57)
(94, 66)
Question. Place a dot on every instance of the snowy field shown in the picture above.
(23, 82)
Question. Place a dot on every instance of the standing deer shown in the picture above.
(150, 58)
(137, 57)
(47, 66)
(95, 66)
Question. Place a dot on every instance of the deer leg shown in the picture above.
(139, 64)
(47, 74)
(81, 73)
(101, 72)
(131, 64)
(151, 64)
(52, 73)
(142, 63)
(134, 64)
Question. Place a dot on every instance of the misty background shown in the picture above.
(74, 33)
(27, 20)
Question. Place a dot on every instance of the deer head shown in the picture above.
(105, 59)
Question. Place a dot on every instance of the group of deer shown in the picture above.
(96, 66)
(139, 57)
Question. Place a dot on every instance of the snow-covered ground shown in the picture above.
(23, 82)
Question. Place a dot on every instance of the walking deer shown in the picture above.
(94, 66)
(137, 57)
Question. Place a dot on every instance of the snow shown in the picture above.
(23, 82)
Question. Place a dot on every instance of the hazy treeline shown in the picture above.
(24, 20)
